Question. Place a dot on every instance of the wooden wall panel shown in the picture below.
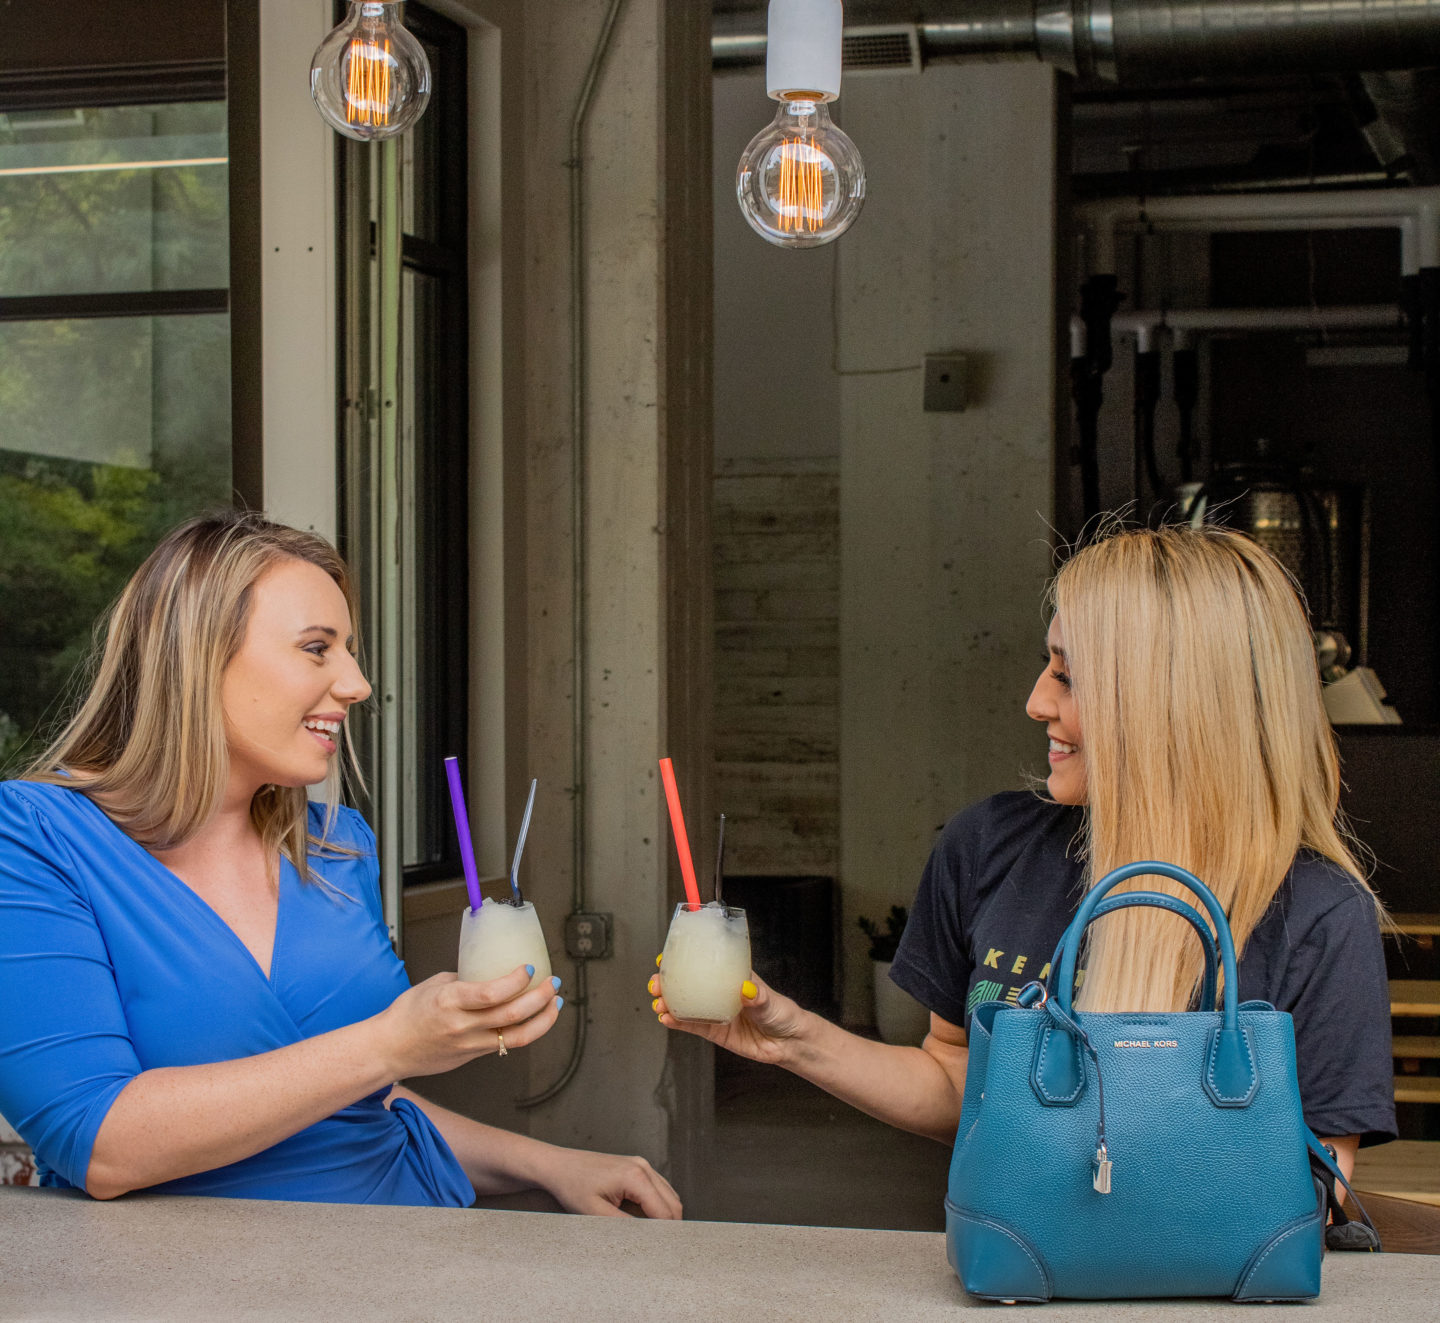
(777, 666)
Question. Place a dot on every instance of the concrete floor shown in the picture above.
(787, 1152)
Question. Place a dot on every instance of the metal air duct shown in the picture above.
(1140, 41)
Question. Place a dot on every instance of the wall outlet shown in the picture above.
(945, 383)
(587, 936)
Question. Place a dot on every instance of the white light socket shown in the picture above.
(802, 53)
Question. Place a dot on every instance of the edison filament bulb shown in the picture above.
(801, 181)
(370, 77)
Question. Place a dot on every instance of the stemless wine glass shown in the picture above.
(706, 959)
(499, 936)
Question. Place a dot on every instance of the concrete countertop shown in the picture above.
(63, 1256)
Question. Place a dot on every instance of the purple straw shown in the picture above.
(462, 830)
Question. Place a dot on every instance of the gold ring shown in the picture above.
(501, 1037)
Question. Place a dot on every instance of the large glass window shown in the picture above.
(114, 369)
(114, 198)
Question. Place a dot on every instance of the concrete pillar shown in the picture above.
(944, 516)
(647, 287)
(297, 219)
(282, 265)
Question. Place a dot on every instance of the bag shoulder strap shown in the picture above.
(1345, 1231)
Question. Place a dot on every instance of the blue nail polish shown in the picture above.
(555, 980)
(530, 969)
(559, 1002)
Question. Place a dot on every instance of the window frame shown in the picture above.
(440, 469)
(84, 89)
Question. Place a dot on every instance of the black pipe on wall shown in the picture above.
(1185, 385)
(1147, 397)
(1099, 299)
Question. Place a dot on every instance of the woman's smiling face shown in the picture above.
(1052, 702)
(287, 691)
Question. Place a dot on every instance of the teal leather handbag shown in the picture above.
(1114, 1155)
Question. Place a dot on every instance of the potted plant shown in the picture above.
(899, 1018)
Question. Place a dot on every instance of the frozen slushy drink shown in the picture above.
(706, 959)
(499, 936)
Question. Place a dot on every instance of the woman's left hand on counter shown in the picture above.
(598, 1183)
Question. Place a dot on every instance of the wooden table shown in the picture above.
(1417, 925)
(1404, 1169)
(168, 1260)
(1417, 1088)
(1415, 996)
(1421, 998)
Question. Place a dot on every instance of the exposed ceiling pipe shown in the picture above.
(1147, 325)
(1415, 212)
(1140, 41)
(1182, 326)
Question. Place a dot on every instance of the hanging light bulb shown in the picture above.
(370, 78)
(801, 181)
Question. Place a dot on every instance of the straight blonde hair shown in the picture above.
(148, 739)
(1205, 740)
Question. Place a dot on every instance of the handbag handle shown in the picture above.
(1231, 1076)
(1175, 905)
(1065, 986)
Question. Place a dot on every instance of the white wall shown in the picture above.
(775, 394)
(297, 228)
(944, 517)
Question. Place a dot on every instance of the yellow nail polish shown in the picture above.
(651, 988)
(655, 1005)
(748, 990)
(658, 959)
(661, 1018)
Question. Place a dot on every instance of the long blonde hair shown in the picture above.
(148, 739)
(1205, 739)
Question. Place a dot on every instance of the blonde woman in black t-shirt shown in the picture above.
(1181, 702)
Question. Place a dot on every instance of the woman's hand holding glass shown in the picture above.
(767, 1028)
(444, 1022)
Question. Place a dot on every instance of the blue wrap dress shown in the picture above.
(111, 965)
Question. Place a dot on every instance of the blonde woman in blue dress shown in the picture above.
(197, 991)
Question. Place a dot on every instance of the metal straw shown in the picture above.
(520, 844)
(720, 862)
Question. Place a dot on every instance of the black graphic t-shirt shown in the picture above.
(1005, 879)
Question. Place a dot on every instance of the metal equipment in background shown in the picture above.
(1319, 531)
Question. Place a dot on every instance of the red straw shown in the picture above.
(677, 825)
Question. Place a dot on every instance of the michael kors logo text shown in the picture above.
(1145, 1042)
